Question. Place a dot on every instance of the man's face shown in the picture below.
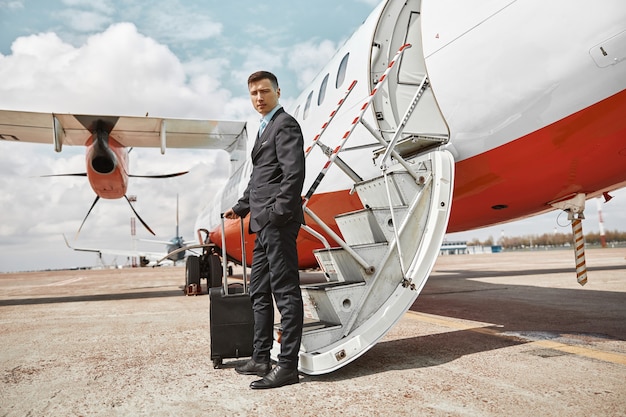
(264, 97)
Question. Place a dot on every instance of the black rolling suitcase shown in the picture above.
(231, 322)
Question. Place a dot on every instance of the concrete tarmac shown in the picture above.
(507, 334)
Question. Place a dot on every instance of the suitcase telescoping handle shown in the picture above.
(225, 257)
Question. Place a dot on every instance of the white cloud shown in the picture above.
(85, 21)
(174, 22)
(118, 71)
(12, 5)
(308, 58)
(258, 57)
(103, 6)
(173, 60)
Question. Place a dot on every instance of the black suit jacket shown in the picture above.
(274, 192)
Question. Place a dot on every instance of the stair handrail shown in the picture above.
(315, 234)
(396, 234)
(389, 149)
(356, 121)
(369, 269)
(412, 207)
(330, 119)
(334, 158)
(407, 114)
(394, 153)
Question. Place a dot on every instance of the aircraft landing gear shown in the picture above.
(208, 265)
(192, 270)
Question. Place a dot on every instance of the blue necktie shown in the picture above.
(262, 127)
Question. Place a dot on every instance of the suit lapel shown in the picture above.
(260, 140)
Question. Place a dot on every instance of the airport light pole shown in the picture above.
(133, 232)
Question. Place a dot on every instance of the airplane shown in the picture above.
(146, 258)
(175, 243)
(434, 117)
(109, 140)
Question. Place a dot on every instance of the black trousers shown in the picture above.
(275, 273)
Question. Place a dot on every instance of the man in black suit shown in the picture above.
(273, 199)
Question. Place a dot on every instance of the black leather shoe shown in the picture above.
(253, 368)
(278, 377)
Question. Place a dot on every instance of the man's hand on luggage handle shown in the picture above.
(230, 214)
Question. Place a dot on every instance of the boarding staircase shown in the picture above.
(385, 252)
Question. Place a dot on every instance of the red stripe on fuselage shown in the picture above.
(582, 153)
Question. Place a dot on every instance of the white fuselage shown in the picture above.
(500, 73)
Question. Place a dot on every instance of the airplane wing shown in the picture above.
(153, 132)
(151, 256)
(160, 242)
(168, 242)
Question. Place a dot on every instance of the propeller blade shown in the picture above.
(91, 208)
(140, 219)
(159, 176)
(79, 174)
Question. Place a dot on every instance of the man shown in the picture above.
(273, 199)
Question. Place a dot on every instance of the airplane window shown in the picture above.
(295, 113)
(341, 74)
(320, 97)
(307, 105)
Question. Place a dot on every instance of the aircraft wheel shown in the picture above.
(192, 271)
(215, 271)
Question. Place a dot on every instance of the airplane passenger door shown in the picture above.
(425, 128)
(426, 119)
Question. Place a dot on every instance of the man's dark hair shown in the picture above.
(262, 75)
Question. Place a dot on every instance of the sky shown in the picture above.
(187, 59)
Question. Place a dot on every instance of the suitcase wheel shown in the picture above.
(217, 363)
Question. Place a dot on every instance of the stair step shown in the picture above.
(402, 188)
(413, 144)
(340, 266)
(331, 302)
(318, 334)
(318, 326)
(309, 327)
(315, 334)
(370, 225)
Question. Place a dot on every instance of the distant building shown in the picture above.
(453, 248)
